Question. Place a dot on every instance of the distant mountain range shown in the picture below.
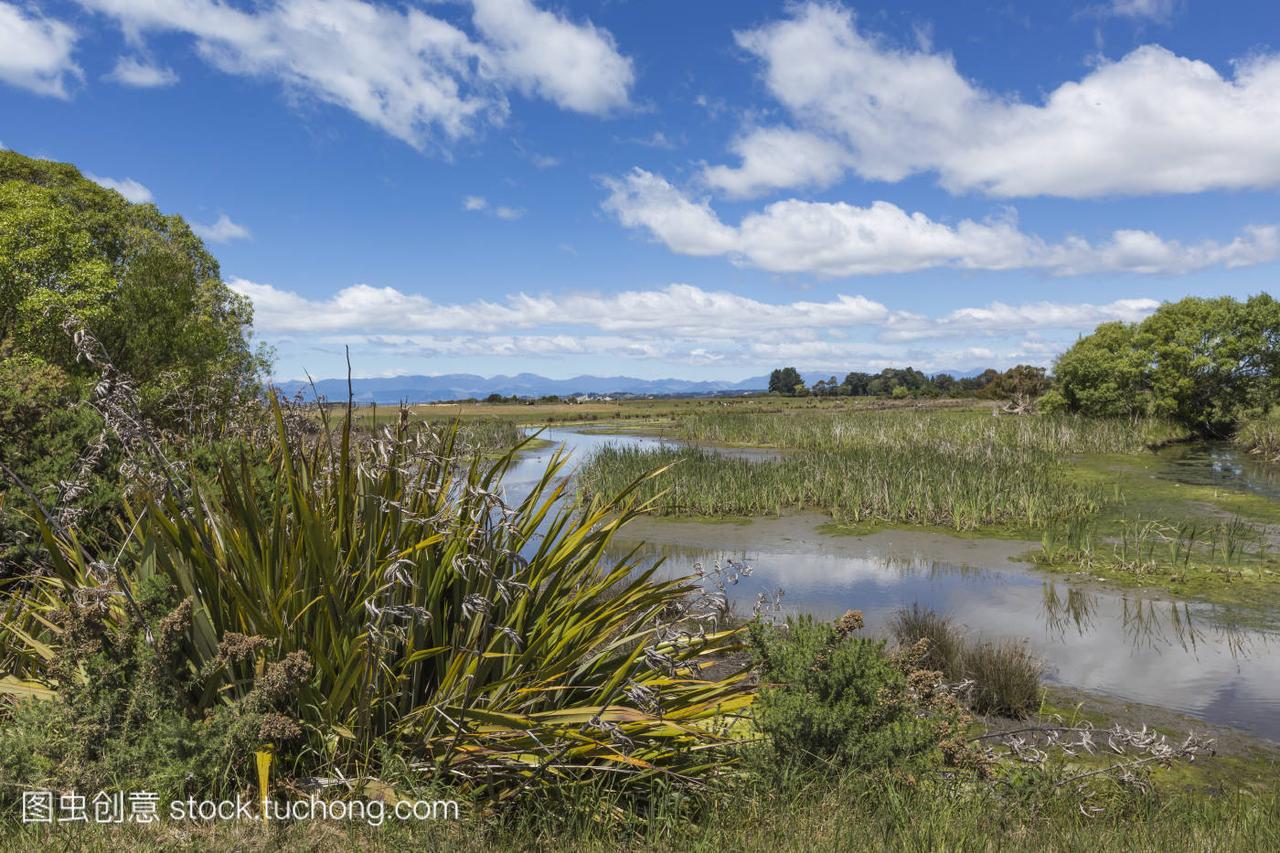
(462, 386)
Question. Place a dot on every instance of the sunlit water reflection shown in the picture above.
(1205, 660)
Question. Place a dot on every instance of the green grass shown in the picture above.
(1197, 541)
(785, 810)
(957, 470)
(962, 471)
(956, 431)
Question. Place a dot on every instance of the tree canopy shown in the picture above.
(1207, 363)
(786, 380)
(141, 282)
(76, 256)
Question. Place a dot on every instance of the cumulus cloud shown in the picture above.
(474, 203)
(678, 309)
(576, 66)
(35, 51)
(1150, 122)
(999, 317)
(415, 76)
(838, 239)
(779, 158)
(131, 71)
(681, 323)
(222, 231)
(127, 187)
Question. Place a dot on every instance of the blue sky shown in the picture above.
(703, 190)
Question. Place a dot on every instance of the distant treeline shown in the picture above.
(900, 383)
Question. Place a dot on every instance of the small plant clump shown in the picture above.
(1000, 678)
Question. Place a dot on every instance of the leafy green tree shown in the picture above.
(786, 380)
(980, 383)
(76, 256)
(857, 384)
(1103, 375)
(1212, 361)
(140, 281)
(1207, 363)
(1022, 385)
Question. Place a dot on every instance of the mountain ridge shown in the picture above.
(389, 390)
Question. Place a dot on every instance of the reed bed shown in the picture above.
(1261, 436)
(1146, 546)
(946, 430)
(957, 485)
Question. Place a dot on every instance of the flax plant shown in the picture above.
(490, 644)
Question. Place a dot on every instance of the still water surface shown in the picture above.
(1208, 661)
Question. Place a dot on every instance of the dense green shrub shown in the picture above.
(42, 435)
(827, 694)
(483, 642)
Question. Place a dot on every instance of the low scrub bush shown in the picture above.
(1261, 436)
(828, 695)
(945, 650)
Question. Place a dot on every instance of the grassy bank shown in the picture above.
(949, 430)
(800, 811)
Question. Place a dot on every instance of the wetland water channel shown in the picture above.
(1204, 660)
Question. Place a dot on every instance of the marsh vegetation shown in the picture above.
(195, 574)
(963, 470)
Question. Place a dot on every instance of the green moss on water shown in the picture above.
(1136, 490)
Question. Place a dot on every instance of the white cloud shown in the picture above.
(1150, 122)
(1155, 10)
(576, 66)
(676, 309)
(999, 317)
(131, 71)
(777, 158)
(480, 204)
(838, 239)
(222, 231)
(680, 324)
(128, 187)
(689, 227)
(35, 51)
(415, 76)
